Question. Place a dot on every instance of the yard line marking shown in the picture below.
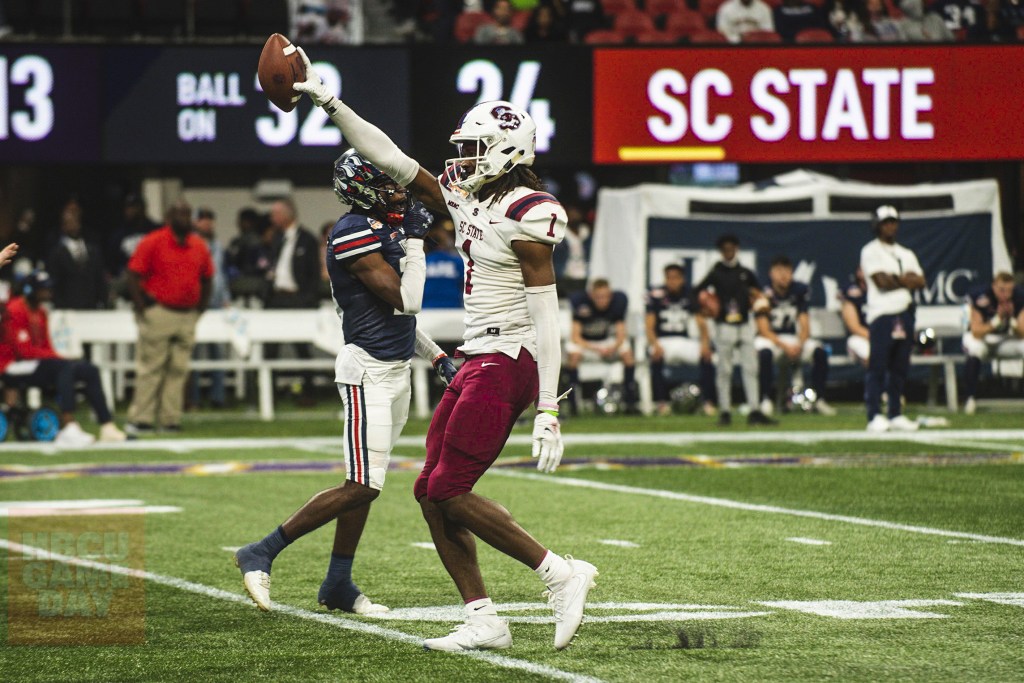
(1015, 599)
(231, 548)
(756, 507)
(617, 543)
(809, 541)
(667, 438)
(90, 512)
(424, 545)
(321, 617)
(76, 504)
(850, 609)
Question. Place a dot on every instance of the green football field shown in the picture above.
(809, 551)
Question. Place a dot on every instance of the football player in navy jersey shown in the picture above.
(376, 266)
(996, 329)
(669, 312)
(599, 334)
(784, 333)
(855, 317)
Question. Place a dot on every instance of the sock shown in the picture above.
(273, 543)
(481, 607)
(659, 387)
(707, 382)
(819, 371)
(971, 373)
(552, 569)
(337, 590)
(766, 366)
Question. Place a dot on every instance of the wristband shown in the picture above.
(437, 358)
(549, 408)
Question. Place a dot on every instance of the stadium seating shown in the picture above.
(166, 18)
(604, 37)
(757, 37)
(685, 24)
(263, 17)
(520, 19)
(655, 38)
(658, 8)
(468, 22)
(616, 7)
(632, 24)
(709, 8)
(708, 38)
(814, 35)
(217, 18)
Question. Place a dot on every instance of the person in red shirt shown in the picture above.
(29, 359)
(169, 281)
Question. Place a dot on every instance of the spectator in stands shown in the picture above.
(205, 227)
(76, 266)
(892, 272)
(572, 254)
(739, 295)
(847, 19)
(599, 334)
(545, 26)
(501, 32)
(581, 17)
(923, 27)
(854, 312)
(445, 270)
(784, 334)
(35, 363)
(8, 253)
(247, 258)
(1005, 17)
(736, 17)
(334, 22)
(966, 19)
(294, 278)
(667, 324)
(996, 329)
(794, 16)
(881, 27)
(135, 225)
(169, 279)
(31, 238)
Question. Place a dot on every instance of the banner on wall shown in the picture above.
(819, 222)
(808, 104)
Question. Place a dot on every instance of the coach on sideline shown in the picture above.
(892, 272)
(169, 281)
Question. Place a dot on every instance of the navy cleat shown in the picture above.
(347, 598)
(255, 568)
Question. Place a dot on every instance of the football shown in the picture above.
(708, 304)
(279, 69)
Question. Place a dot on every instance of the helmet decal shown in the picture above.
(507, 118)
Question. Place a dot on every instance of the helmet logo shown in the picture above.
(507, 118)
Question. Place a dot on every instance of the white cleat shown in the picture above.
(901, 423)
(567, 600)
(970, 406)
(109, 433)
(767, 407)
(73, 436)
(823, 408)
(482, 633)
(879, 423)
(366, 607)
(257, 585)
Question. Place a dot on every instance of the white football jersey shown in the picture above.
(494, 294)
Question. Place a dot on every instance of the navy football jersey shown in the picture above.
(368, 322)
(858, 296)
(787, 307)
(983, 300)
(598, 325)
(672, 311)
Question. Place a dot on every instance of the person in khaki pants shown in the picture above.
(169, 280)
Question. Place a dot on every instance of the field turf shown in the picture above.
(797, 553)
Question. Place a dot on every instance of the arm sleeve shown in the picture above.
(414, 274)
(373, 143)
(542, 303)
(426, 348)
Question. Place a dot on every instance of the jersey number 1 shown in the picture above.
(469, 266)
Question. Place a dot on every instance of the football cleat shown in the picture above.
(767, 407)
(362, 605)
(255, 570)
(901, 423)
(823, 408)
(568, 598)
(487, 633)
(879, 423)
(970, 406)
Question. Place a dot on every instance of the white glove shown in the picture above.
(312, 86)
(547, 442)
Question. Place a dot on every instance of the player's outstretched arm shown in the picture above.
(371, 141)
(7, 254)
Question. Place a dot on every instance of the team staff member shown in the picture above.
(29, 360)
(739, 295)
(892, 272)
(997, 328)
(169, 281)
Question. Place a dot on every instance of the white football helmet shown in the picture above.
(492, 137)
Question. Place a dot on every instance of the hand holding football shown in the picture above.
(280, 67)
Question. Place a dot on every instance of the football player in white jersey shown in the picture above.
(506, 227)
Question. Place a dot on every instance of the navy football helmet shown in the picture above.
(358, 182)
